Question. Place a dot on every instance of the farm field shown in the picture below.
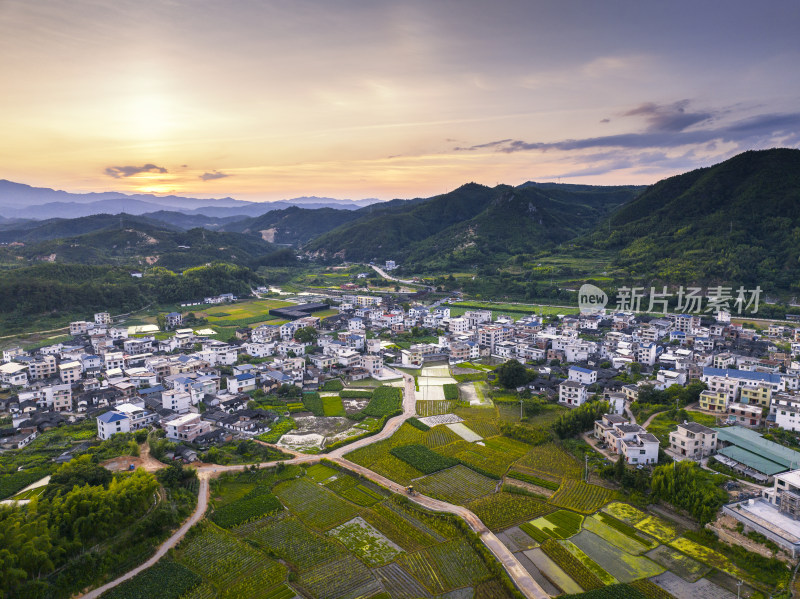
(623, 566)
(501, 510)
(581, 497)
(458, 485)
(323, 545)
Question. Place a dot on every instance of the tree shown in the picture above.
(306, 335)
(161, 319)
(512, 374)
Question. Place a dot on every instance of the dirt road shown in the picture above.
(527, 585)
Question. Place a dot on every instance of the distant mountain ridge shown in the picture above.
(18, 200)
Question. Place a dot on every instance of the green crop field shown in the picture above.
(166, 579)
(581, 497)
(332, 406)
(439, 436)
(315, 505)
(684, 566)
(458, 485)
(501, 510)
(705, 555)
(225, 561)
(589, 563)
(561, 524)
(625, 541)
(620, 564)
(549, 461)
(445, 567)
(435, 407)
(365, 542)
(291, 541)
(346, 577)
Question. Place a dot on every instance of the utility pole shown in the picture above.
(586, 462)
(739, 589)
(520, 409)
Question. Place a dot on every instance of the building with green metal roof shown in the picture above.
(749, 448)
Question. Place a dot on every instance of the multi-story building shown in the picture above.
(112, 423)
(759, 396)
(43, 368)
(490, 335)
(713, 401)
(730, 380)
(175, 400)
(241, 383)
(9, 355)
(572, 393)
(173, 320)
(582, 375)
(80, 327)
(70, 372)
(745, 414)
(646, 353)
(138, 417)
(102, 318)
(693, 440)
(186, 427)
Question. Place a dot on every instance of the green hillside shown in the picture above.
(473, 224)
(737, 222)
(294, 225)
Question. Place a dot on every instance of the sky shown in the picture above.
(265, 100)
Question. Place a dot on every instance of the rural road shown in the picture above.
(385, 275)
(525, 583)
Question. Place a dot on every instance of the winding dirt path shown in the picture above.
(525, 583)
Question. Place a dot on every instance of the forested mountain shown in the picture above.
(737, 221)
(125, 239)
(294, 226)
(473, 224)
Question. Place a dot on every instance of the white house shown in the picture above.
(112, 423)
(582, 375)
(175, 400)
(572, 393)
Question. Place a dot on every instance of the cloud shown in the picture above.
(668, 117)
(214, 175)
(667, 132)
(120, 172)
(605, 120)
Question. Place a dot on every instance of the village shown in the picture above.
(203, 392)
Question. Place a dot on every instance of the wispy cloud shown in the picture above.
(214, 175)
(667, 128)
(120, 172)
(669, 117)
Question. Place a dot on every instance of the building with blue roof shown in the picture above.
(582, 375)
(730, 381)
(111, 423)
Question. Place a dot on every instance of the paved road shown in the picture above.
(529, 587)
(385, 275)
